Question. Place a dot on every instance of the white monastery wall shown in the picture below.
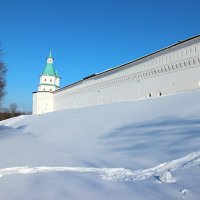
(167, 71)
(42, 102)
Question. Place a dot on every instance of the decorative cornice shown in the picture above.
(158, 60)
(137, 77)
(48, 84)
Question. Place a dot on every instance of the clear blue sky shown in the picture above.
(85, 36)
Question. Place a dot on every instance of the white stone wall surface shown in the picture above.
(42, 102)
(168, 71)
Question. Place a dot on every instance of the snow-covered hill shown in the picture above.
(148, 149)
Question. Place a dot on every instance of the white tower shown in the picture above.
(49, 82)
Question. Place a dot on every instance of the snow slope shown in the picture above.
(148, 149)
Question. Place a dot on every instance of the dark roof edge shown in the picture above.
(75, 83)
(148, 55)
(42, 92)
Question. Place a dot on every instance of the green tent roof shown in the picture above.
(49, 69)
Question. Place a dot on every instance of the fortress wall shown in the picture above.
(174, 69)
(42, 102)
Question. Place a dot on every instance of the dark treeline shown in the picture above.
(11, 111)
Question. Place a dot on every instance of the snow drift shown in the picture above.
(146, 149)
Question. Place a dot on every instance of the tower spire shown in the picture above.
(50, 54)
(49, 69)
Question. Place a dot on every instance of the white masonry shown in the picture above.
(168, 71)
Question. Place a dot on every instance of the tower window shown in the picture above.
(45, 79)
(50, 80)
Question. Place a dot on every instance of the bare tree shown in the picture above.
(13, 108)
(2, 77)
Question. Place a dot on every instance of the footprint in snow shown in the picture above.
(166, 177)
(183, 192)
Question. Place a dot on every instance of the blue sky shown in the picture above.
(85, 36)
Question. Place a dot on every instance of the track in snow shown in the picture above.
(163, 171)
